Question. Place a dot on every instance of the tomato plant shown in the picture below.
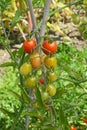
(31, 82)
(50, 62)
(51, 89)
(25, 69)
(35, 60)
(49, 47)
(29, 45)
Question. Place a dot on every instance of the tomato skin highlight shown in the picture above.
(25, 69)
(72, 128)
(49, 47)
(29, 45)
(35, 60)
(84, 120)
(50, 62)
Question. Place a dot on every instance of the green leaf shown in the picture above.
(34, 114)
(10, 114)
(6, 64)
(38, 98)
(15, 94)
(25, 96)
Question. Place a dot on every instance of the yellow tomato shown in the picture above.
(50, 62)
(31, 82)
(25, 69)
(51, 90)
(52, 76)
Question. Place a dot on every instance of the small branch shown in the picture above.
(45, 18)
(33, 18)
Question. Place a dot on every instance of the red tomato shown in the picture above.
(85, 120)
(73, 128)
(41, 80)
(29, 46)
(49, 47)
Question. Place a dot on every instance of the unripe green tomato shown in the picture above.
(75, 19)
(52, 76)
(31, 82)
(84, 20)
(85, 2)
(25, 69)
(85, 35)
(81, 28)
(44, 95)
(51, 89)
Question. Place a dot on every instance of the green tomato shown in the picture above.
(81, 28)
(75, 19)
(44, 95)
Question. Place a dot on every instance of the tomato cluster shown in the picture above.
(34, 62)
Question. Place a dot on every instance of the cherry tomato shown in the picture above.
(85, 120)
(35, 60)
(84, 20)
(50, 62)
(25, 69)
(81, 28)
(52, 76)
(85, 2)
(41, 80)
(75, 19)
(73, 128)
(49, 47)
(44, 95)
(51, 89)
(84, 34)
(31, 82)
(29, 46)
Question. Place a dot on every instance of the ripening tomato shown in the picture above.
(52, 76)
(51, 89)
(35, 60)
(49, 47)
(29, 45)
(85, 120)
(73, 128)
(31, 82)
(25, 69)
(50, 62)
(41, 80)
(75, 19)
(44, 95)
